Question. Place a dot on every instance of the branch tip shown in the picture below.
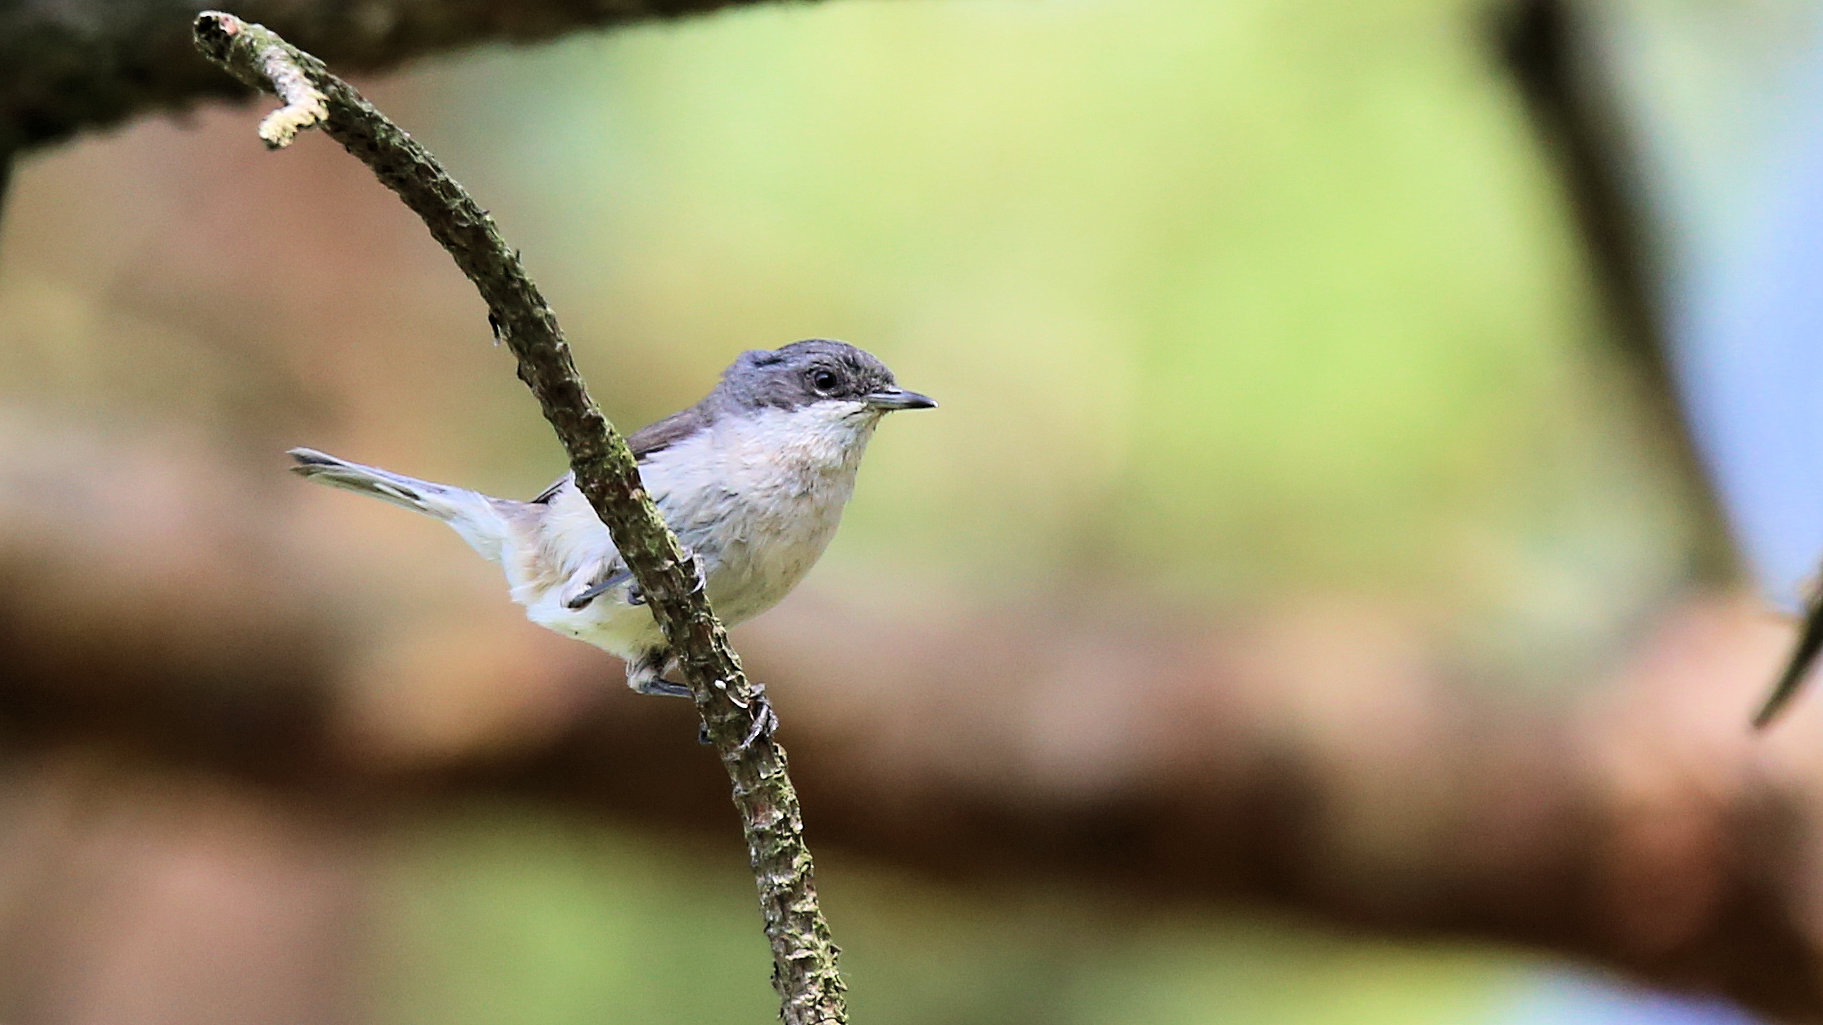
(215, 31)
(258, 57)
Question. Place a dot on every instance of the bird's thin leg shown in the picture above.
(765, 720)
(596, 590)
(646, 675)
(635, 596)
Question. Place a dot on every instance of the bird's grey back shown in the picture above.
(652, 438)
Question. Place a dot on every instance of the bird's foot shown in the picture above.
(661, 687)
(600, 588)
(765, 719)
(646, 678)
(635, 596)
(646, 675)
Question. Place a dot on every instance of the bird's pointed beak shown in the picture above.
(899, 398)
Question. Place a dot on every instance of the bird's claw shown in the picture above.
(666, 689)
(765, 723)
(765, 720)
(600, 588)
(635, 596)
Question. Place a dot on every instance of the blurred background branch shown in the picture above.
(78, 65)
(1556, 62)
(1642, 829)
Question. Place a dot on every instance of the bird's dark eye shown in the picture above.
(824, 381)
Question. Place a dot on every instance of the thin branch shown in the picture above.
(6, 178)
(805, 972)
(1546, 48)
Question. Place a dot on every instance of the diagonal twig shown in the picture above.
(6, 176)
(1549, 49)
(804, 956)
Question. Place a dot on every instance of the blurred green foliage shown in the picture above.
(507, 917)
(1233, 299)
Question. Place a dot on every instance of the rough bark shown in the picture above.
(6, 177)
(735, 715)
(68, 66)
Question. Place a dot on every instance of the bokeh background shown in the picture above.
(1301, 609)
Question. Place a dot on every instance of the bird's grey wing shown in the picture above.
(654, 437)
(545, 496)
(644, 442)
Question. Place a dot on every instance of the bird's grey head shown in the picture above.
(813, 372)
(811, 391)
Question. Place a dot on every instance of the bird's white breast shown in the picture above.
(756, 497)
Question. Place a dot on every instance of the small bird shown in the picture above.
(752, 479)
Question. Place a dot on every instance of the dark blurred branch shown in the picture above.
(1552, 58)
(1295, 765)
(734, 714)
(77, 65)
(6, 178)
(1299, 763)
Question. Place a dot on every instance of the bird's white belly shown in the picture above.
(746, 576)
(760, 564)
(757, 514)
(608, 622)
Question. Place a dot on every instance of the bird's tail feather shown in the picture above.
(473, 515)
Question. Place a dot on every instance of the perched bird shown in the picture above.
(752, 479)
